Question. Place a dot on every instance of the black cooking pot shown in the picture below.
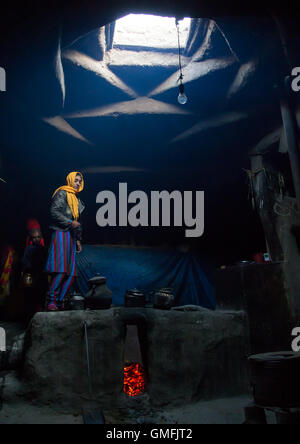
(163, 299)
(99, 297)
(135, 298)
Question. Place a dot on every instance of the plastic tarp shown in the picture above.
(146, 269)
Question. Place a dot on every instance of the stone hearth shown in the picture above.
(190, 356)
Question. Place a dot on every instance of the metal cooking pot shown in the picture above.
(99, 297)
(163, 299)
(135, 298)
(76, 302)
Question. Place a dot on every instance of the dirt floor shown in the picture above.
(221, 411)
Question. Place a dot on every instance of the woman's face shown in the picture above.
(77, 182)
(36, 237)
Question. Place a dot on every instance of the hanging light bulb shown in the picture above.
(182, 98)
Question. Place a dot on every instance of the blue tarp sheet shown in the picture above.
(146, 269)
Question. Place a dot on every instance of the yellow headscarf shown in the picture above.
(71, 193)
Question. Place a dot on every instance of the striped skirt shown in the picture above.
(62, 254)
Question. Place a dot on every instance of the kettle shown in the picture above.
(99, 297)
(135, 298)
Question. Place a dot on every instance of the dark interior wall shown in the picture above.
(34, 167)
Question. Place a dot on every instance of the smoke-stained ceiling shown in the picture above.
(80, 97)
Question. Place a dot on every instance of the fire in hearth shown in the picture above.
(134, 379)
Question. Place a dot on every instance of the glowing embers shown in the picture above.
(135, 372)
(134, 379)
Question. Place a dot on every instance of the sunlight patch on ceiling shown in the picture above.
(142, 105)
(194, 71)
(245, 72)
(60, 72)
(214, 122)
(122, 57)
(99, 68)
(59, 123)
(151, 31)
(206, 44)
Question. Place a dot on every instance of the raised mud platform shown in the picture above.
(189, 356)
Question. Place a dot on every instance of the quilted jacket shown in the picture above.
(61, 215)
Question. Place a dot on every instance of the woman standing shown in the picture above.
(66, 209)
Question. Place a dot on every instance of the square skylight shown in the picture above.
(150, 31)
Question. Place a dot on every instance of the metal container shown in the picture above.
(163, 299)
(274, 378)
(135, 298)
(76, 302)
(99, 297)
